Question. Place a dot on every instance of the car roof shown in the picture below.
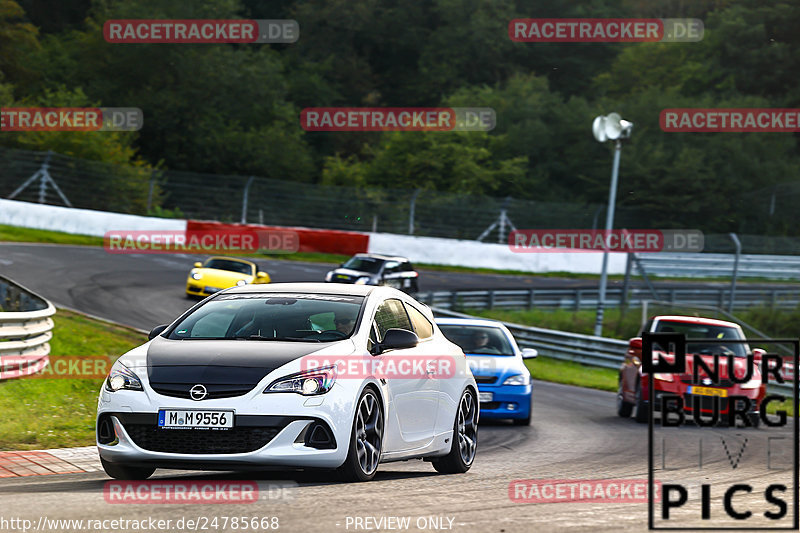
(384, 257)
(696, 320)
(312, 288)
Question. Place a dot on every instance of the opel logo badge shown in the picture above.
(198, 392)
(707, 381)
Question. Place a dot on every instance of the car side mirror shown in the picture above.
(198, 265)
(261, 275)
(758, 354)
(397, 339)
(635, 343)
(530, 353)
(156, 331)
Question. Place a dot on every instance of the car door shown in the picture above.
(413, 398)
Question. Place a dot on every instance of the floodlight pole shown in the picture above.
(612, 199)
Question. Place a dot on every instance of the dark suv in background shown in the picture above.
(377, 269)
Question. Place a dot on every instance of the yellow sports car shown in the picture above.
(219, 273)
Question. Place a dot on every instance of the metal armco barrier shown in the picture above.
(585, 349)
(576, 299)
(721, 265)
(26, 326)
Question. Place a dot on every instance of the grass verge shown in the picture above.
(55, 413)
(17, 234)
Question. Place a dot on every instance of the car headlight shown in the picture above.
(122, 377)
(307, 383)
(241, 282)
(664, 377)
(329, 275)
(196, 275)
(519, 379)
(363, 280)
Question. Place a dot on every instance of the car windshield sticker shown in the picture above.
(298, 296)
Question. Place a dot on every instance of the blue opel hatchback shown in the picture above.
(504, 382)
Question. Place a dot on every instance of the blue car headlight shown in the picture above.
(519, 379)
(308, 383)
(121, 377)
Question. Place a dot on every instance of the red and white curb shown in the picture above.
(45, 462)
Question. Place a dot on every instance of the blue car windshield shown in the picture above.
(483, 340)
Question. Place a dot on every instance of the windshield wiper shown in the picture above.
(288, 339)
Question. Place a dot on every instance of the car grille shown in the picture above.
(723, 383)
(485, 380)
(181, 390)
(199, 441)
(490, 406)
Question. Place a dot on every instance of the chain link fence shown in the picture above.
(57, 179)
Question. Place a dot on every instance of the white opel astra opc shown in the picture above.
(292, 375)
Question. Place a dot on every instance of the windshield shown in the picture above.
(232, 266)
(706, 331)
(364, 264)
(484, 340)
(272, 316)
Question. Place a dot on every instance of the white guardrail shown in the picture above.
(585, 349)
(26, 327)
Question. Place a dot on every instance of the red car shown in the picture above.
(633, 394)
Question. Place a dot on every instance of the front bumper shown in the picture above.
(280, 438)
(196, 289)
(704, 404)
(508, 401)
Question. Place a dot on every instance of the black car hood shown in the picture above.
(239, 363)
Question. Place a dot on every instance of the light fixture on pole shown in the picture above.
(609, 128)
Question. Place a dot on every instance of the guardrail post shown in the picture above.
(531, 298)
(491, 300)
(738, 245)
(453, 300)
(578, 294)
(245, 198)
(773, 299)
(626, 281)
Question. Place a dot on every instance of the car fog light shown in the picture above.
(511, 406)
(310, 386)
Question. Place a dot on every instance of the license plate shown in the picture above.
(180, 418)
(708, 391)
(485, 397)
(342, 276)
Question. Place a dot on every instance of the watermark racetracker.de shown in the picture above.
(195, 31)
(71, 119)
(243, 240)
(626, 241)
(730, 120)
(606, 30)
(398, 119)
